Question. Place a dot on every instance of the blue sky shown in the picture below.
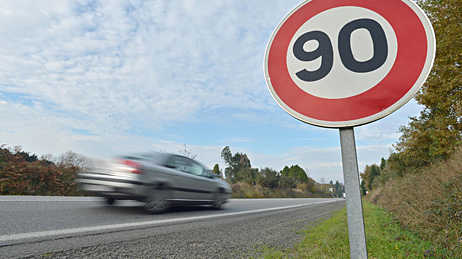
(103, 78)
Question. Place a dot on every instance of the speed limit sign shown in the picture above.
(344, 63)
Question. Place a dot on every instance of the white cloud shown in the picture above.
(43, 133)
(128, 61)
(81, 75)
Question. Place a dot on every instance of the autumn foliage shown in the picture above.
(421, 182)
(25, 174)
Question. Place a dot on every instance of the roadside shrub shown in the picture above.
(245, 190)
(428, 202)
(21, 174)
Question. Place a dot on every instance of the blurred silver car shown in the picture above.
(161, 180)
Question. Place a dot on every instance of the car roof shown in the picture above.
(162, 157)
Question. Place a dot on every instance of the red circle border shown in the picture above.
(410, 60)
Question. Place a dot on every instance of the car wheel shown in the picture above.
(109, 200)
(157, 201)
(219, 201)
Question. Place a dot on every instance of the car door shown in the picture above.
(204, 184)
(186, 183)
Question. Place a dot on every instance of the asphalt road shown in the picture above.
(77, 227)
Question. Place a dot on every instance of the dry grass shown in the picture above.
(428, 203)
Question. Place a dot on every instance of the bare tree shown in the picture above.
(73, 159)
(47, 157)
(187, 152)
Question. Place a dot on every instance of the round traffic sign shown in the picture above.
(343, 63)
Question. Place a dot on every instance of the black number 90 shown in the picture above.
(325, 50)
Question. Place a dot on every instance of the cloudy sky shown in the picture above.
(103, 78)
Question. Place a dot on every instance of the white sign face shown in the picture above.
(362, 47)
(347, 63)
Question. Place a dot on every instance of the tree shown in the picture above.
(244, 161)
(296, 173)
(269, 178)
(339, 189)
(247, 175)
(72, 159)
(383, 163)
(22, 174)
(227, 156)
(216, 170)
(17, 150)
(436, 133)
(287, 182)
(187, 152)
(363, 188)
(369, 175)
(27, 157)
(237, 164)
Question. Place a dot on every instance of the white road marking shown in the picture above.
(25, 198)
(114, 227)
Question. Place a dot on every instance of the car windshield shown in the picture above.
(209, 172)
(156, 158)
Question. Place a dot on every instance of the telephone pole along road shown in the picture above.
(76, 227)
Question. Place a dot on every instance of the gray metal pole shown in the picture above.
(356, 234)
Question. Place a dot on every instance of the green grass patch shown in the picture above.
(329, 239)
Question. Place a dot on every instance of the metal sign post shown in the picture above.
(356, 233)
(345, 90)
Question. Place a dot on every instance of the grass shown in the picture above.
(329, 239)
(428, 202)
